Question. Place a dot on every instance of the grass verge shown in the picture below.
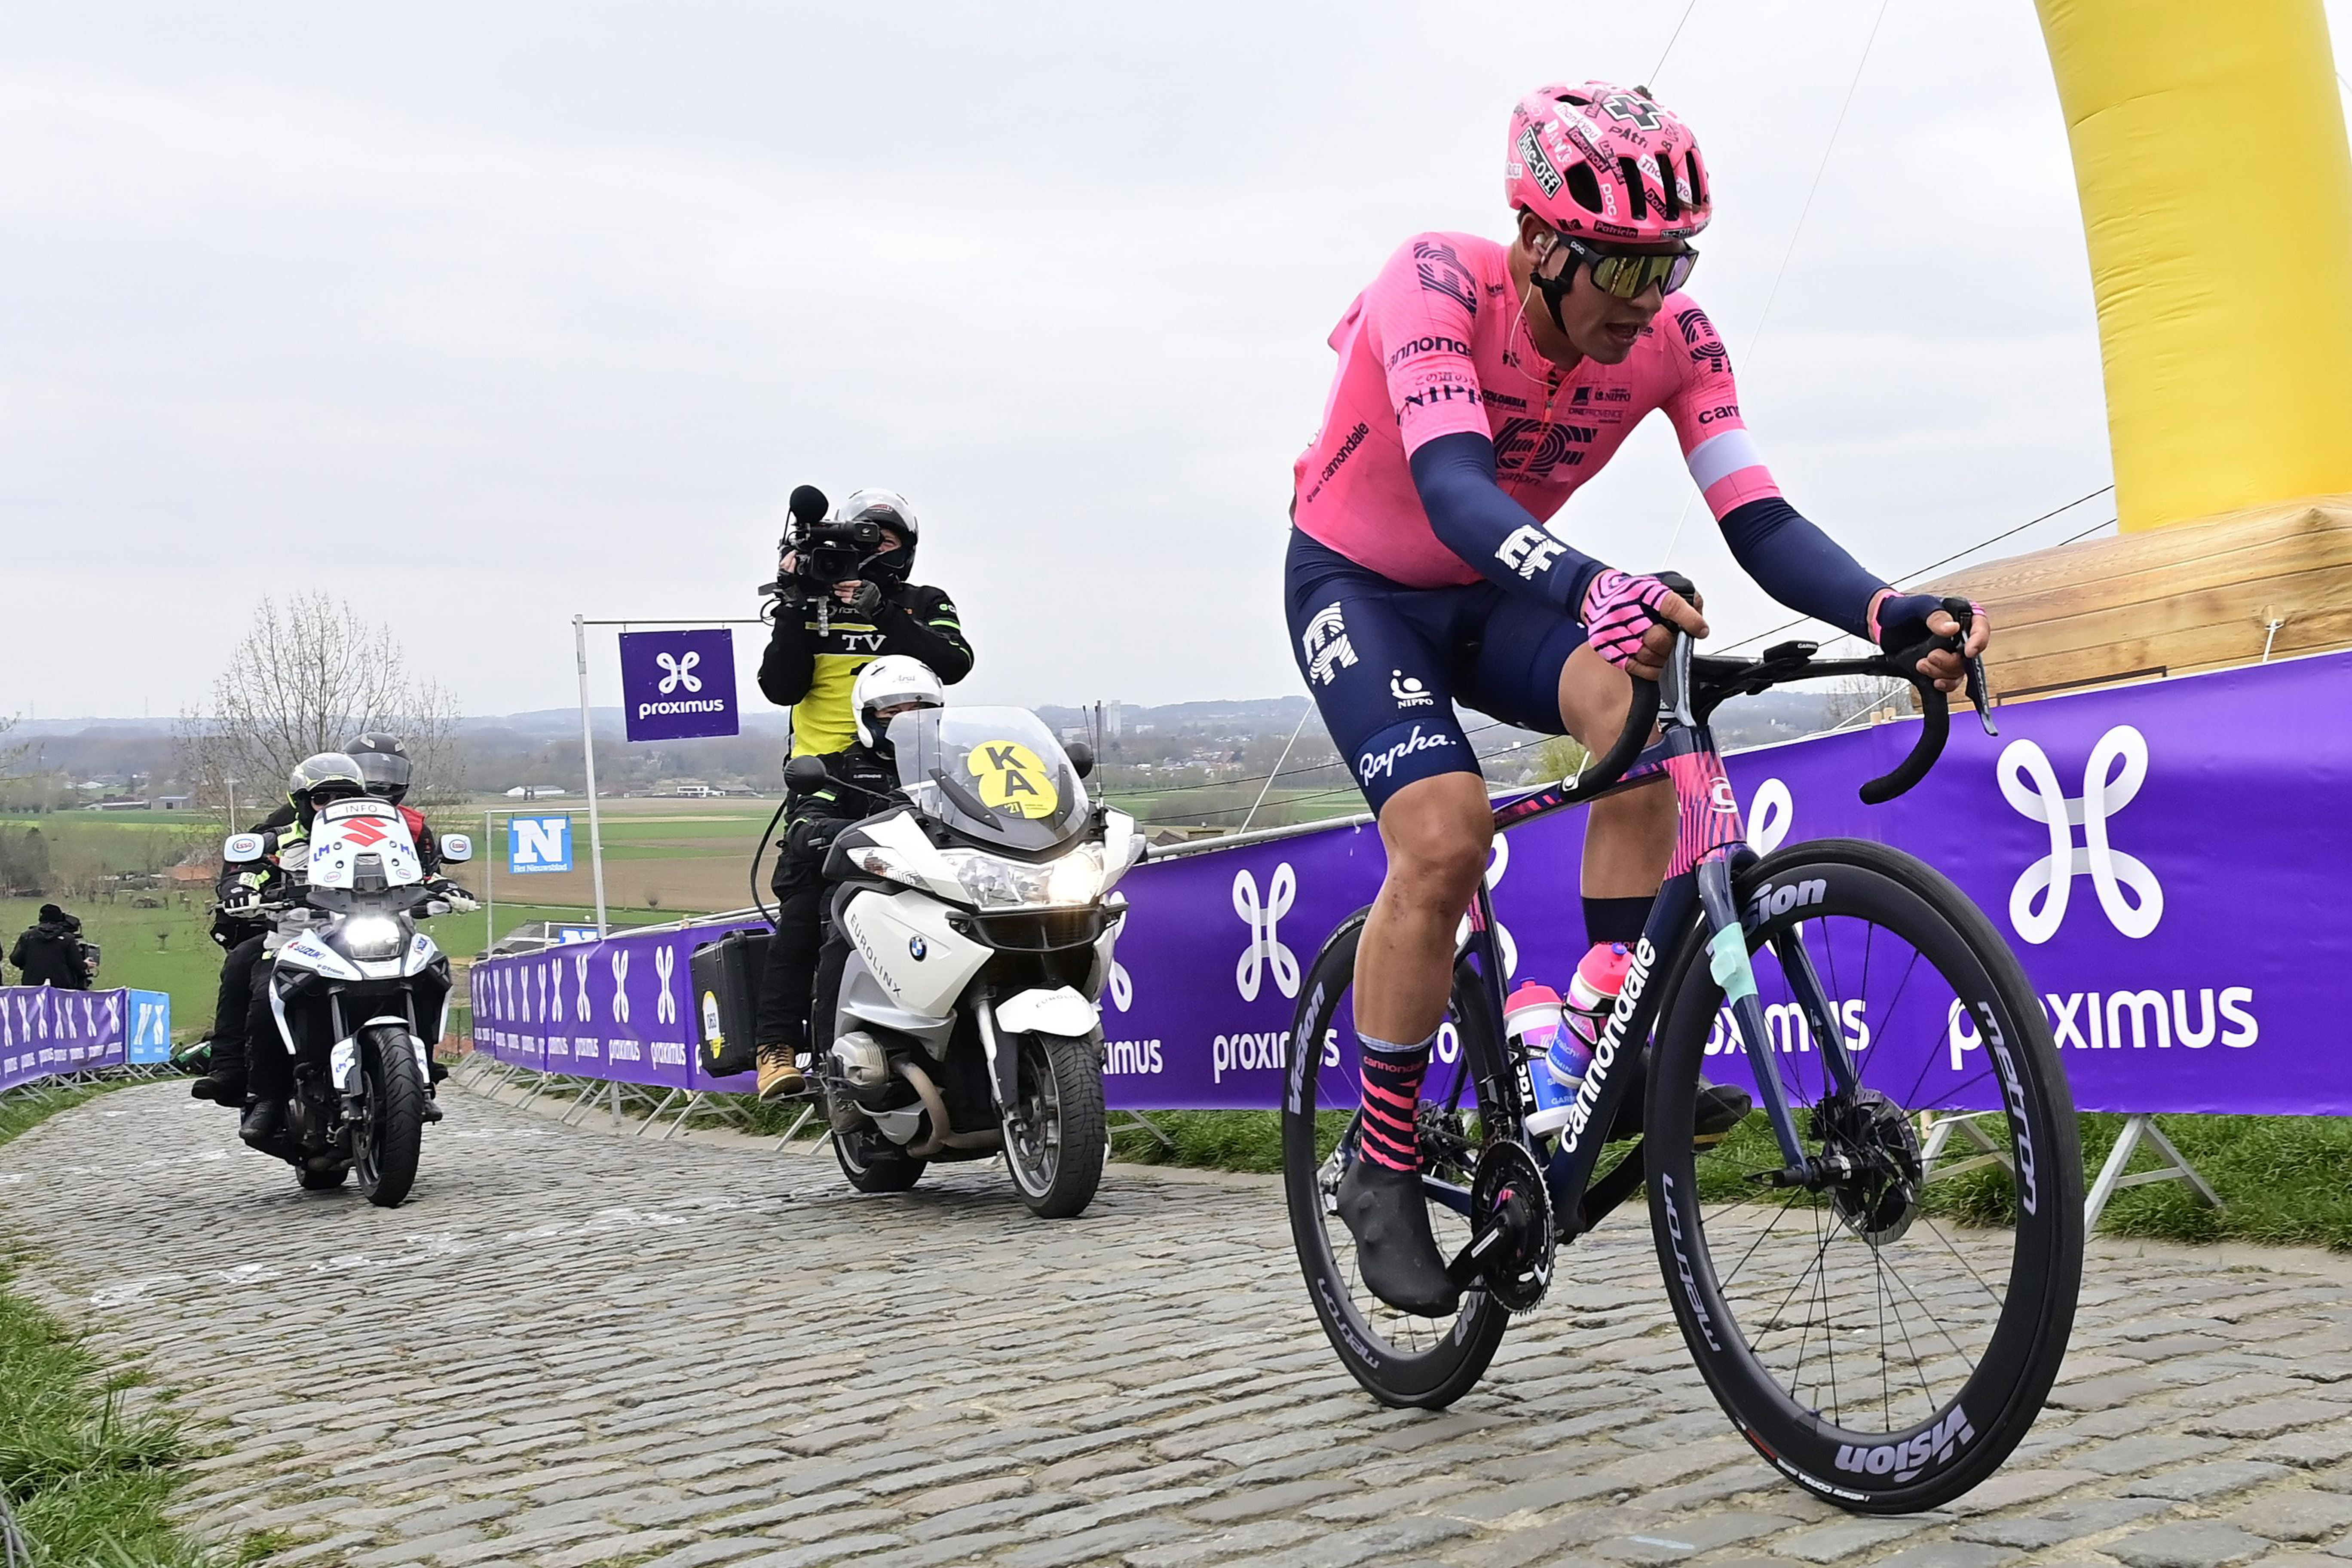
(87, 1478)
(2284, 1179)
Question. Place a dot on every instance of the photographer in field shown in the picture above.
(843, 599)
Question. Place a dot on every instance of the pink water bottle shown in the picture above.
(1533, 1020)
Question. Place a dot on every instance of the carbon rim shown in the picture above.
(1892, 1323)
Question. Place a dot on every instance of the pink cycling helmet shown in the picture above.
(1607, 162)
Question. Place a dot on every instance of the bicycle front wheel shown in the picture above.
(1399, 1358)
(1886, 1333)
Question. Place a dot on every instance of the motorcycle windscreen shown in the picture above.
(995, 775)
(354, 840)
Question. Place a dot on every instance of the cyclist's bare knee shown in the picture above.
(1437, 832)
(1594, 697)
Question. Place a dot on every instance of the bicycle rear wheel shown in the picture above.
(1886, 1338)
(1399, 1358)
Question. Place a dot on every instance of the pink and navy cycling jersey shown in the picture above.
(1437, 346)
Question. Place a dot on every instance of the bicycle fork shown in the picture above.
(1728, 963)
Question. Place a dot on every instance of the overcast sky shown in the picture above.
(485, 316)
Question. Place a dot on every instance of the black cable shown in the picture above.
(1947, 561)
(766, 836)
(1261, 778)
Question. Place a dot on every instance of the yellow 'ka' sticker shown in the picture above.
(1013, 779)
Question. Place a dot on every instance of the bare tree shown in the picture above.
(308, 675)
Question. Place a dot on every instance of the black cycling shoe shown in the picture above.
(1396, 1253)
(261, 1122)
(432, 1112)
(437, 1072)
(1720, 1108)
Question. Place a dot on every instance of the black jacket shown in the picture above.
(816, 816)
(812, 673)
(50, 955)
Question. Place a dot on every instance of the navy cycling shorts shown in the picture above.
(1386, 664)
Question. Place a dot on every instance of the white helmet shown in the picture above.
(894, 681)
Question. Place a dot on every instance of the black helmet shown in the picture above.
(886, 509)
(384, 763)
(320, 778)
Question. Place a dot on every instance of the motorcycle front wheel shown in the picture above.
(1058, 1136)
(390, 1133)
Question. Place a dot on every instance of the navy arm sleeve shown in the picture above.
(1475, 518)
(1799, 565)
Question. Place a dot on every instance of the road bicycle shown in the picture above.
(1884, 1333)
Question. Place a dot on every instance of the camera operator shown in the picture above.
(842, 600)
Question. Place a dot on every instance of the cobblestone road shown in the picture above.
(576, 1348)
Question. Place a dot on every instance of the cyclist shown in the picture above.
(1479, 385)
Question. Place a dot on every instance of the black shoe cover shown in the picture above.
(1396, 1254)
(261, 1120)
(1720, 1108)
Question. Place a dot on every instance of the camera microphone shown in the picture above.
(807, 505)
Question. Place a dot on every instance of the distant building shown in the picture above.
(532, 792)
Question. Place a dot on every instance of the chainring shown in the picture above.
(1509, 1197)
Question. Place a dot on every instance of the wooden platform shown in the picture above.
(2171, 601)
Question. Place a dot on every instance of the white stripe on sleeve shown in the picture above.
(1720, 456)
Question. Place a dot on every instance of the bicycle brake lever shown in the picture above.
(1980, 694)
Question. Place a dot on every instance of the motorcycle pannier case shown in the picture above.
(726, 1000)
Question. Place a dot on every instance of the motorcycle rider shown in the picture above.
(1479, 385)
(383, 764)
(810, 665)
(316, 782)
(861, 779)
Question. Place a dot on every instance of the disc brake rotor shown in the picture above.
(1510, 1204)
(1881, 1198)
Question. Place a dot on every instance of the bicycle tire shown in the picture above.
(1962, 1439)
(1448, 1360)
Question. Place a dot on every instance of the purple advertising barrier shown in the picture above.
(676, 685)
(44, 1033)
(2161, 857)
(620, 1009)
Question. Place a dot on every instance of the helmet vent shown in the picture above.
(1584, 185)
(1698, 189)
(1667, 192)
(1637, 203)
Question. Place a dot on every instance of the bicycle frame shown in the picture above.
(1696, 904)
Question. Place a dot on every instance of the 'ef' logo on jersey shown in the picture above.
(1529, 550)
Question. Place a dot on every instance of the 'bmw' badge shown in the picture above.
(915, 946)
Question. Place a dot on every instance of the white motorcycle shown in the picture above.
(976, 909)
(356, 992)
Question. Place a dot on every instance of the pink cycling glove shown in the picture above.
(1618, 608)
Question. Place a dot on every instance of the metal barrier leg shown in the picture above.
(802, 1120)
(1135, 1120)
(1940, 1131)
(2175, 1168)
(655, 1115)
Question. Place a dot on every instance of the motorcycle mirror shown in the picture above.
(805, 773)
(241, 847)
(1082, 758)
(456, 846)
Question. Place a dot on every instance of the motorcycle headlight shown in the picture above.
(370, 938)
(996, 883)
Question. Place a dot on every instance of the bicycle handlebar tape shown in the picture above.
(1934, 729)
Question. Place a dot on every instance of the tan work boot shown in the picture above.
(780, 1076)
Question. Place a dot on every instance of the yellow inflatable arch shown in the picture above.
(2209, 147)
